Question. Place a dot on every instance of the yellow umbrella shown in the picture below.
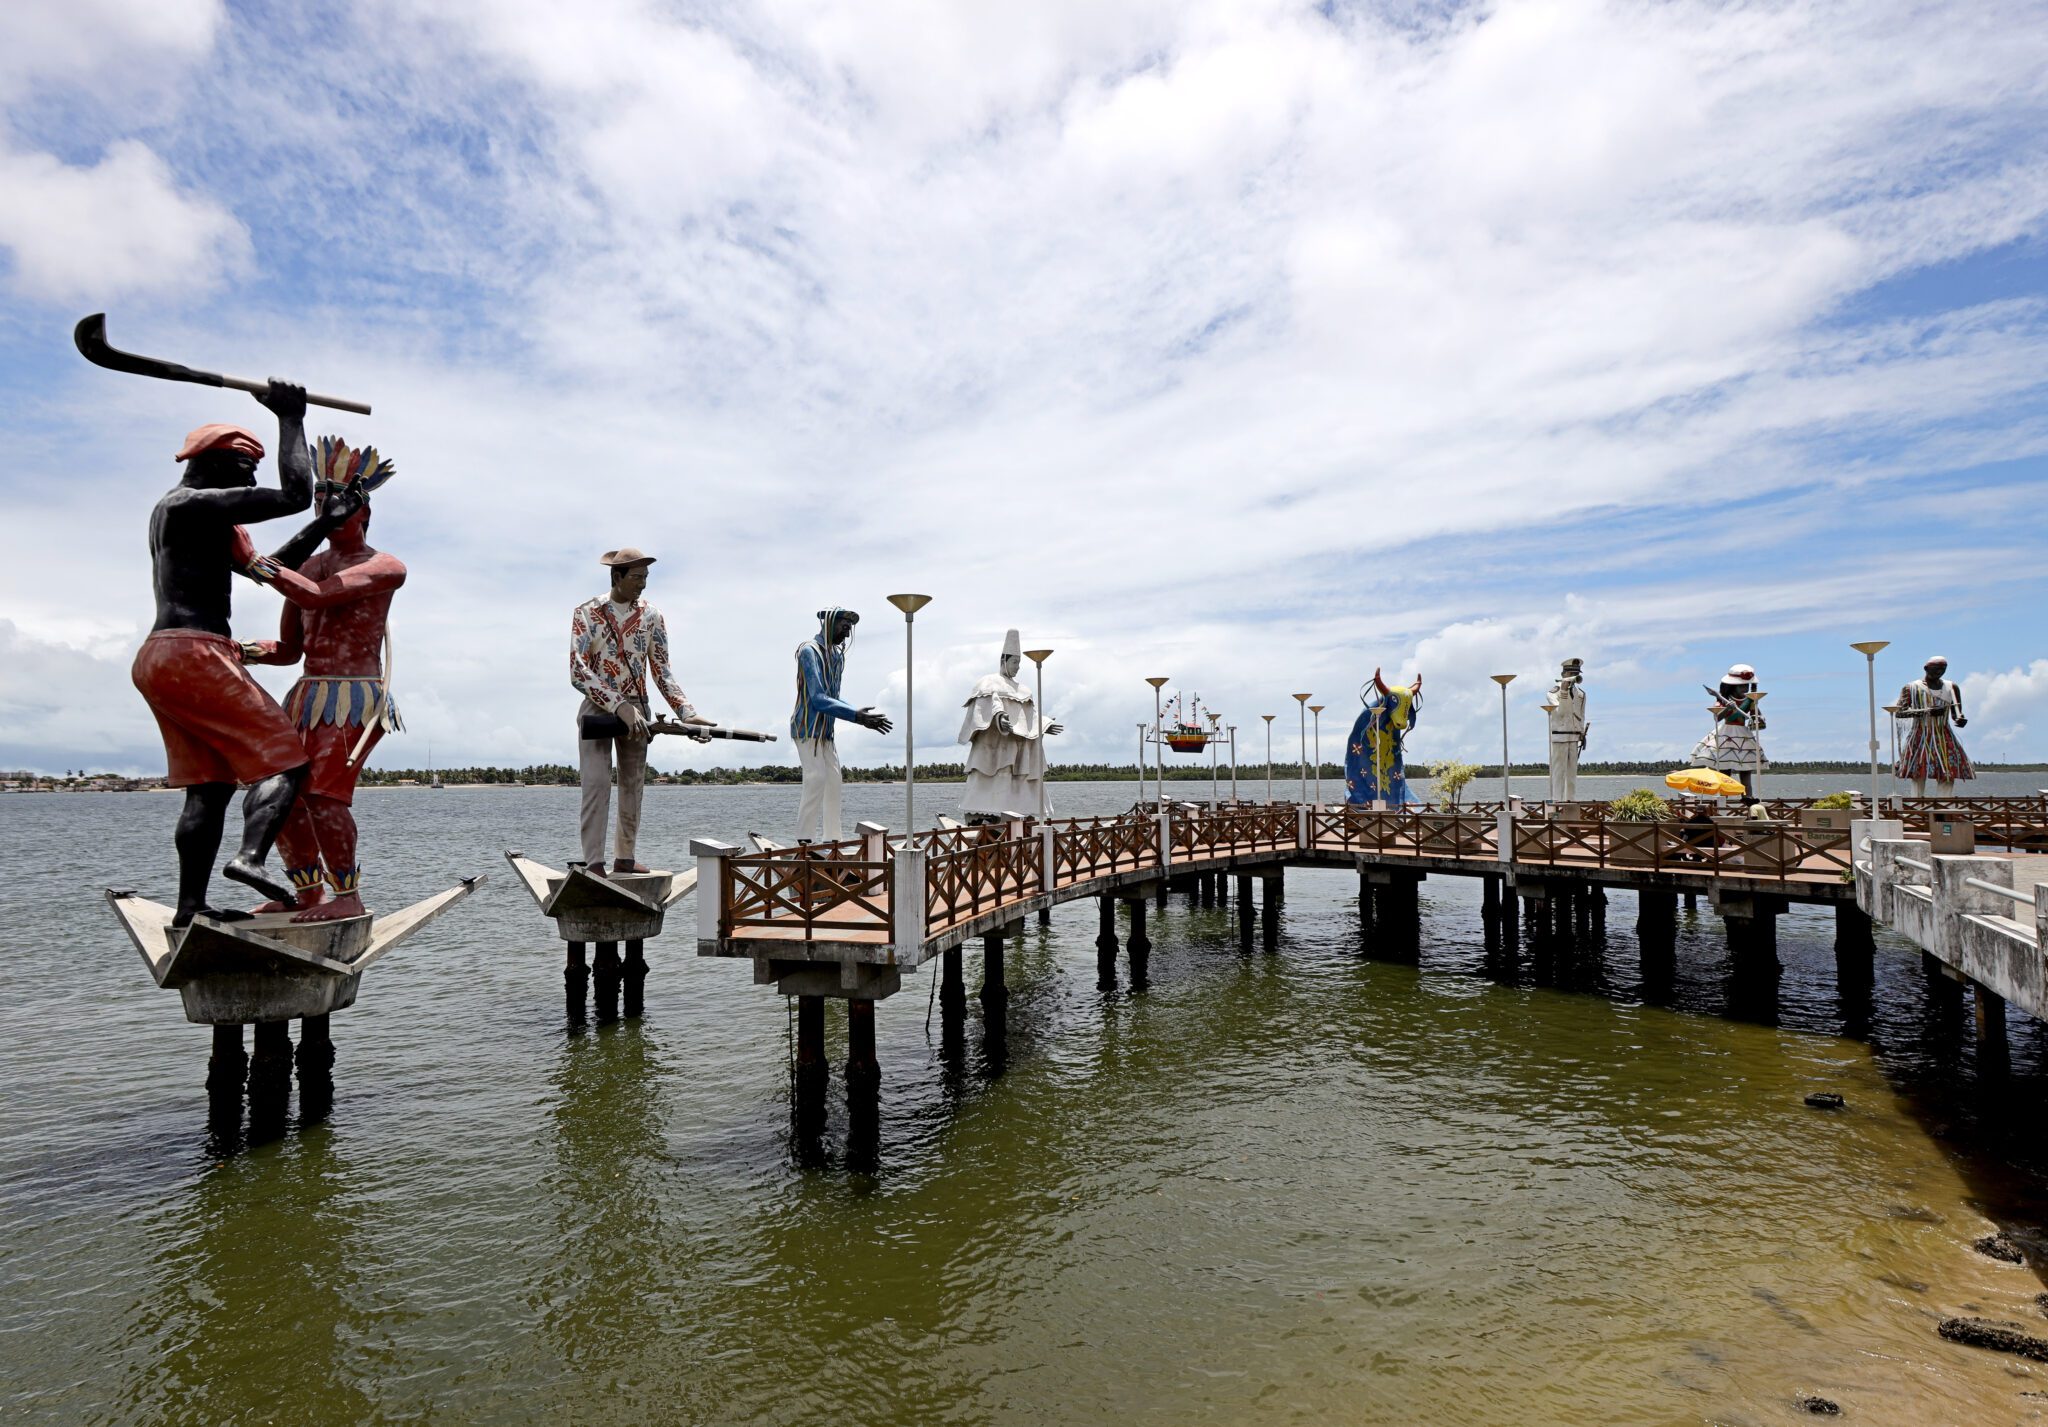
(1704, 781)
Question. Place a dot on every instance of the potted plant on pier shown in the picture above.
(1440, 833)
(1632, 829)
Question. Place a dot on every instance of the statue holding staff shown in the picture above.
(1732, 746)
(220, 728)
(1005, 734)
(337, 604)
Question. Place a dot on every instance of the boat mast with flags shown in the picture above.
(1184, 732)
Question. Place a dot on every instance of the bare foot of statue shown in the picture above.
(349, 904)
(251, 873)
(309, 897)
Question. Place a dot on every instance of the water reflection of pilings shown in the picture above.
(255, 1295)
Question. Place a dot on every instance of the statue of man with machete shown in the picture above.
(336, 606)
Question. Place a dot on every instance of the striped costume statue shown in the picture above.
(1930, 705)
(820, 665)
(1375, 766)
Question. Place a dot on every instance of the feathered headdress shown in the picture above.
(335, 464)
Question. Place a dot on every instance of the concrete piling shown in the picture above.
(270, 1068)
(1247, 913)
(1105, 943)
(1139, 946)
(995, 988)
(228, 1067)
(606, 972)
(634, 977)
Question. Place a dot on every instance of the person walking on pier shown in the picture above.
(820, 666)
(1930, 704)
(615, 642)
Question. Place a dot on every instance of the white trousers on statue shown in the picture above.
(817, 816)
(1564, 769)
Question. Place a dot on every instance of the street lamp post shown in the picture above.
(1317, 710)
(1550, 773)
(1302, 700)
(1507, 797)
(1892, 718)
(1214, 750)
(1038, 658)
(1158, 747)
(1141, 762)
(1868, 649)
(1233, 760)
(1269, 756)
(910, 605)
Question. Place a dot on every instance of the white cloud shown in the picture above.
(115, 229)
(2008, 708)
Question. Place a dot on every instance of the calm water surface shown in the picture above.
(1303, 1187)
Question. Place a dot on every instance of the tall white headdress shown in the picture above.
(1013, 646)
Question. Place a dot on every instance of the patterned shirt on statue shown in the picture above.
(610, 656)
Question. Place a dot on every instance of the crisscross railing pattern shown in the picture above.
(1087, 848)
(814, 888)
(961, 885)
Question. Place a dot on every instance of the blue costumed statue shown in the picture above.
(1374, 768)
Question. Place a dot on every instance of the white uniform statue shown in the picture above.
(1567, 730)
(1005, 733)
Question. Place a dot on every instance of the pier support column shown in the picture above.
(1368, 912)
(952, 985)
(634, 975)
(1045, 916)
(606, 971)
(1247, 913)
(1489, 896)
(1992, 1055)
(995, 990)
(316, 1048)
(1105, 943)
(270, 1068)
(1159, 895)
(863, 1072)
(228, 1067)
(1269, 911)
(1852, 930)
(1139, 946)
(1205, 883)
(575, 978)
(812, 1069)
(1692, 901)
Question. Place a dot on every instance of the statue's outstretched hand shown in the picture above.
(876, 720)
(1053, 728)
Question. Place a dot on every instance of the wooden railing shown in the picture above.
(1087, 848)
(817, 888)
(1233, 831)
(1771, 851)
(980, 877)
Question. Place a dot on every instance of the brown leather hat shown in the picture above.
(625, 555)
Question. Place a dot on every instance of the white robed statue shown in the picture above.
(1005, 733)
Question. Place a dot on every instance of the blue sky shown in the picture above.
(1255, 344)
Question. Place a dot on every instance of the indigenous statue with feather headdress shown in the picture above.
(1005, 733)
(336, 606)
(1375, 767)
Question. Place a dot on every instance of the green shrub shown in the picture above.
(1451, 779)
(1836, 800)
(1640, 806)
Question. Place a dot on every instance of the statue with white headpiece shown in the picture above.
(1930, 704)
(1005, 732)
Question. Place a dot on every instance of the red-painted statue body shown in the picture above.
(337, 602)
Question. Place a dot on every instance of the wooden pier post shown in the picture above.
(995, 990)
(228, 1067)
(635, 977)
(1105, 942)
(606, 972)
(863, 1072)
(1247, 913)
(1139, 945)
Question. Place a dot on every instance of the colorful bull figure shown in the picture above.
(1374, 768)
